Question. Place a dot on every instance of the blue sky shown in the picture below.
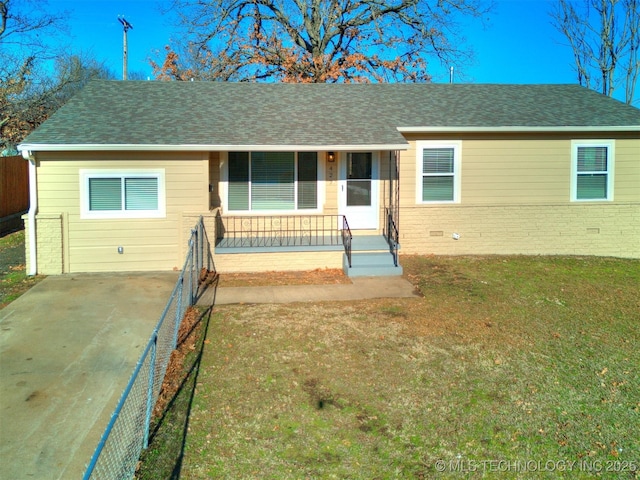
(516, 45)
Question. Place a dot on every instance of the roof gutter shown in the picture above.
(33, 210)
(519, 129)
(60, 147)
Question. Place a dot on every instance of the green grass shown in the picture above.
(12, 239)
(13, 278)
(529, 361)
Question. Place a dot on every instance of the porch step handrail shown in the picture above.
(393, 236)
(346, 238)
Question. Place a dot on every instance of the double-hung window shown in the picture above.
(272, 181)
(592, 170)
(438, 167)
(122, 194)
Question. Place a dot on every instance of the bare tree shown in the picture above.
(39, 96)
(21, 22)
(36, 77)
(24, 25)
(604, 36)
(316, 40)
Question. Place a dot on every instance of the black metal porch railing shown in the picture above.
(283, 231)
(393, 236)
(346, 239)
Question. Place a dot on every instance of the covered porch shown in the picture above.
(305, 210)
(303, 242)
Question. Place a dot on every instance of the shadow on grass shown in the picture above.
(168, 433)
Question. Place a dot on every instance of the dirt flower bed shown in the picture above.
(188, 336)
(321, 276)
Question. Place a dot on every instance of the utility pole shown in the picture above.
(125, 27)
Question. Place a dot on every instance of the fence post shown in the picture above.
(200, 246)
(152, 369)
(203, 239)
(178, 310)
(196, 265)
(193, 244)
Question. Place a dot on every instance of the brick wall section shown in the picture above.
(189, 221)
(50, 246)
(593, 229)
(279, 262)
(587, 229)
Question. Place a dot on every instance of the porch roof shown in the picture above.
(139, 115)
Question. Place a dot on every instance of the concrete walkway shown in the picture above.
(361, 288)
(67, 349)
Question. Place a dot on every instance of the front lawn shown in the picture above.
(524, 367)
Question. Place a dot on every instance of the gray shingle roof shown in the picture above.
(240, 114)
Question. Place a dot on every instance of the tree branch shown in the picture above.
(315, 39)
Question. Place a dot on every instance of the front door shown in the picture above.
(358, 189)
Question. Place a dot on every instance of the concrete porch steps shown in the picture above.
(371, 264)
(370, 257)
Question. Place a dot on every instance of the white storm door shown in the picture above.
(358, 190)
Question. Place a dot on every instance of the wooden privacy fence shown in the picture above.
(14, 192)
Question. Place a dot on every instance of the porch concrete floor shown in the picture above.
(312, 244)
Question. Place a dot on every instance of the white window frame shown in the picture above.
(224, 190)
(456, 145)
(610, 145)
(86, 175)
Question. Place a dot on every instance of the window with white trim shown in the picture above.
(272, 181)
(438, 167)
(592, 170)
(122, 194)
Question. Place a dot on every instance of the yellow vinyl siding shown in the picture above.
(408, 170)
(503, 172)
(515, 198)
(627, 171)
(329, 185)
(149, 244)
(514, 171)
(523, 171)
(214, 180)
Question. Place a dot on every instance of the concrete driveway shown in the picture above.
(67, 349)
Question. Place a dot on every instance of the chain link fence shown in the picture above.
(127, 433)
